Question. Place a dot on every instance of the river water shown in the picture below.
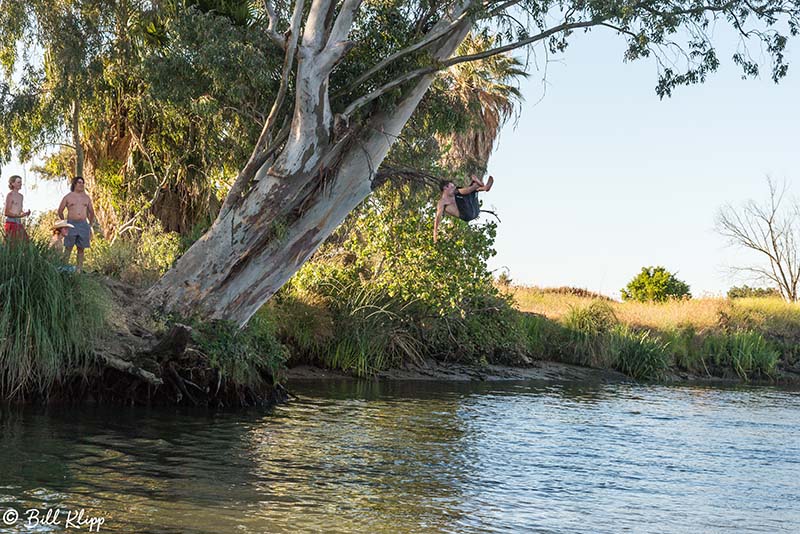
(417, 457)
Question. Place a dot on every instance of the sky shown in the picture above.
(598, 178)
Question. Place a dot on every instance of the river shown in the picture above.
(416, 457)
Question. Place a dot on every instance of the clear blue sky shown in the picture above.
(601, 178)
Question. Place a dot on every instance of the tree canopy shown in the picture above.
(655, 284)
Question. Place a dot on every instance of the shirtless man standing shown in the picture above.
(80, 213)
(461, 203)
(13, 210)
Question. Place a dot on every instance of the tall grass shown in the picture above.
(590, 328)
(49, 319)
(744, 351)
(372, 331)
(639, 354)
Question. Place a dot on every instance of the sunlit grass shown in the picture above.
(747, 337)
(49, 318)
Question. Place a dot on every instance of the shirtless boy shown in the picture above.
(13, 210)
(461, 203)
(80, 214)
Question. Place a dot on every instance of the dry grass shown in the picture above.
(770, 314)
(699, 313)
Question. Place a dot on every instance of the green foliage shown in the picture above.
(373, 331)
(139, 258)
(49, 319)
(545, 339)
(392, 295)
(639, 354)
(683, 343)
(745, 291)
(245, 356)
(655, 284)
(745, 351)
(590, 329)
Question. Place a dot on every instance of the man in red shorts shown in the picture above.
(13, 210)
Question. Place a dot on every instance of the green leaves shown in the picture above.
(655, 284)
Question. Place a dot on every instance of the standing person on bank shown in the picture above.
(13, 210)
(80, 214)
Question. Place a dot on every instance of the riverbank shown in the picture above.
(747, 339)
(120, 350)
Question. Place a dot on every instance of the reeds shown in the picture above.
(49, 318)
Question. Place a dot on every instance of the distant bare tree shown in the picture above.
(771, 229)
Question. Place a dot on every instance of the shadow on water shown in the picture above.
(421, 457)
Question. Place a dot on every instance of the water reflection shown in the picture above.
(421, 457)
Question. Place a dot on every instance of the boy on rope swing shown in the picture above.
(461, 203)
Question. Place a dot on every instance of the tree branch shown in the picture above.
(428, 39)
(258, 158)
(362, 101)
(272, 32)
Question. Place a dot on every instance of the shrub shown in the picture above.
(745, 291)
(49, 319)
(138, 257)
(655, 284)
(242, 355)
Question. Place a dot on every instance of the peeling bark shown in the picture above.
(294, 204)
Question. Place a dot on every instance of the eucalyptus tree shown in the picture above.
(164, 99)
(354, 72)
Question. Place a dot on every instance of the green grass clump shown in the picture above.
(590, 330)
(372, 331)
(49, 318)
(744, 351)
(638, 354)
(242, 355)
(544, 338)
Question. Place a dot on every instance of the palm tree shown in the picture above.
(485, 89)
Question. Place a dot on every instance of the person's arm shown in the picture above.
(7, 207)
(23, 213)
(437, 220)
(61, 207)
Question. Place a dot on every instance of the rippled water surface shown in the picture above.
(432, 457)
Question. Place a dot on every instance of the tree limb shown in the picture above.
(257, 158)
(362, 101)
(272, 32)
(429, 38)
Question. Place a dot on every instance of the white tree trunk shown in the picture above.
(295, 203)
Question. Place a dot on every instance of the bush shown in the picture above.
(49, 319)
(139, 257)
(655, 284)
(745, 291)
(242, 355)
